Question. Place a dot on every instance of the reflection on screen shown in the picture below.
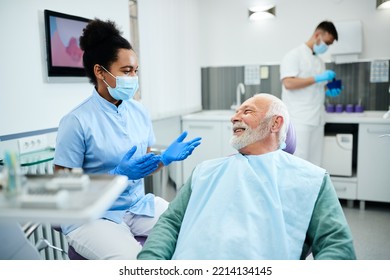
(64, 37)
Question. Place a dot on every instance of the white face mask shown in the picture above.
(320, 48)
(126, 86)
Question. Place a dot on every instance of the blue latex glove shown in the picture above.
(138, 168)
(179, 150)
(328, 75)
(333, 92)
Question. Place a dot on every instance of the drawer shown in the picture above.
(345, 190)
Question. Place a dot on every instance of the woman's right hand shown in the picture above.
(138, 168)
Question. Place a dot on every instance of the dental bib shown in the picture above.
(249, 207)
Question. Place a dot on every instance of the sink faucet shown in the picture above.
(240, 90)
(387, 114)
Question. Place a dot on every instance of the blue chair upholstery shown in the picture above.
(290, 140)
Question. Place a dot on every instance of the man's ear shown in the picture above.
(277, 124)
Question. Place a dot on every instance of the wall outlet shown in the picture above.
(32, 144)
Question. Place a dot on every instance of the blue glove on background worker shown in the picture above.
(333, 92)
(138, 168)
(334, 88)
(179, 150)
(328, 75)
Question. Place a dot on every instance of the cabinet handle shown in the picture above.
(200, 127)
(343, 189)
(378, 131)
(384, 135)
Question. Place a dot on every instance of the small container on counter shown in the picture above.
(349, 108)
(330, 108)
(339, 108)
(359, 108)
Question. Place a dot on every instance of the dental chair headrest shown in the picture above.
(290, 140)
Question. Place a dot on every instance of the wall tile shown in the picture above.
(219, 86)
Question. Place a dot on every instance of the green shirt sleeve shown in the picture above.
(161, 243)
(329, 235)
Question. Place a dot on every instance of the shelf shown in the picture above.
(35, 158)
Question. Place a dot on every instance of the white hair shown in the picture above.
(278, 108)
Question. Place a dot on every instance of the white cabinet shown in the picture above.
(346, 188)
(215, 142)
(227, 134)
(374, 163)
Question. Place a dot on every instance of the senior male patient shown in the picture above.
(261, 203)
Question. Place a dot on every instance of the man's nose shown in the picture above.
(235, 117)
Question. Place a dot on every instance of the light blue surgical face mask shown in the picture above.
(125, 88)
(320, 48)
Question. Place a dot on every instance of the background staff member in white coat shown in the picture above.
(304, 77)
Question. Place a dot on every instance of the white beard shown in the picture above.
(250, 135)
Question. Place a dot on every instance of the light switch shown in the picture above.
(264, 72)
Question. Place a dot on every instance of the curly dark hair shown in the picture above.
(101, 41)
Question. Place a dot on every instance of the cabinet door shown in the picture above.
(373, 163)
(227, 134)
(210, 148)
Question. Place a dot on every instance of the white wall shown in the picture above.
(27, 101)
(177, 37)
(169, 57)
(228, 38)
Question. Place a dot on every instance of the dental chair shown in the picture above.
(290, 140)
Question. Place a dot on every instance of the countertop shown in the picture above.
(374, 117)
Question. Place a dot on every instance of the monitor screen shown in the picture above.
(64, 56)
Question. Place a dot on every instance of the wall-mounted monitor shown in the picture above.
(63, 54)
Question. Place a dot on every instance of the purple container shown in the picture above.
(339, 108)
(359, 108)
(349, 108)
(330, 108)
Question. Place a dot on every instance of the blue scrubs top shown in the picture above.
(95, 136)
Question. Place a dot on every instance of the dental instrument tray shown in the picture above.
(64, 204)
(69, 182)
(41, 198)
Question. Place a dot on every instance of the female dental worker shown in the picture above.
(111, 133)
